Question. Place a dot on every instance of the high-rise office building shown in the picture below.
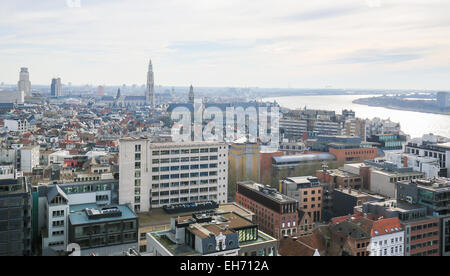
(156, 174)
(443, 99)
(56, 88)
(24, 83)
(15, 217)
(150, 91)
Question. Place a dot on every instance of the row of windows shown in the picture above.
(396, 179)
(357, 152)
(424, 226)
(396, 250)
(425, 244)
(183, 200)
(183, 175)
(185, 167)
(184, 151)
(398, 239)
(187, 191)
(184, 184)
(430, 234)
(185, 159)
(312, 199)
(429, 252)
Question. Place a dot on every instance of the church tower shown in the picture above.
(150, 91)
(191, 95)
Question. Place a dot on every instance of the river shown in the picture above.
(413, 123)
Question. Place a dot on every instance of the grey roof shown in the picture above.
(351, 229)
(303, 158)
(78, 215)
(54, 191)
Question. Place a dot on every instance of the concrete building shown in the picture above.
(345, 200)
(388, 141)
(245, 162)
(29, 158)
(434, 194)
(383, 177)
(7, 172)
(15, 217)
(443, 99)
(292, 148)
(309, 193)
(422, 231)
(286, 166)
(18, 125)
(55, 234)
(211, 234)
(56, 88)
(424, 148)
(276, 214)
(54, 202)
(430, 166)
(103, 231)
(293, 129)
(156, 174)
(24, 84)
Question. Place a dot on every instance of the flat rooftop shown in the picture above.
(78, 214)
(275, 196)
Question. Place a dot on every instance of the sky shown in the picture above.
(365, 44)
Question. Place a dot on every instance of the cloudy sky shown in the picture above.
(398, 44)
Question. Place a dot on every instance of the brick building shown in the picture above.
(347, 154)
(276, 214)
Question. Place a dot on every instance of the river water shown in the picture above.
(413, 123)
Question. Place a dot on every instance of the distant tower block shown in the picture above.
(24, 83)
(191, 95)
(150, 91)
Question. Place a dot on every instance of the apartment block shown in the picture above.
(156, 174)
(275, 213)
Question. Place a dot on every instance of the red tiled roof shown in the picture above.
(386, 226)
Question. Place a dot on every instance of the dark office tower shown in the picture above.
(15, 217)
(150, 91)
(56, 88)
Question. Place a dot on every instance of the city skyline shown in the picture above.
(353, 44)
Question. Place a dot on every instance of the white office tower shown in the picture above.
(156, 174)
(24, 83)
(56, 88)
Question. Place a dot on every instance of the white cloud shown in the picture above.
(217, 42)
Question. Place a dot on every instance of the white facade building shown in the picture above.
(18, 125)
(388, 238)
(428, 165)
(56, 220)
(7, 172)
(29, 158)
(156, 174)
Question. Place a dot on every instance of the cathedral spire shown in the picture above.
(150, 91)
